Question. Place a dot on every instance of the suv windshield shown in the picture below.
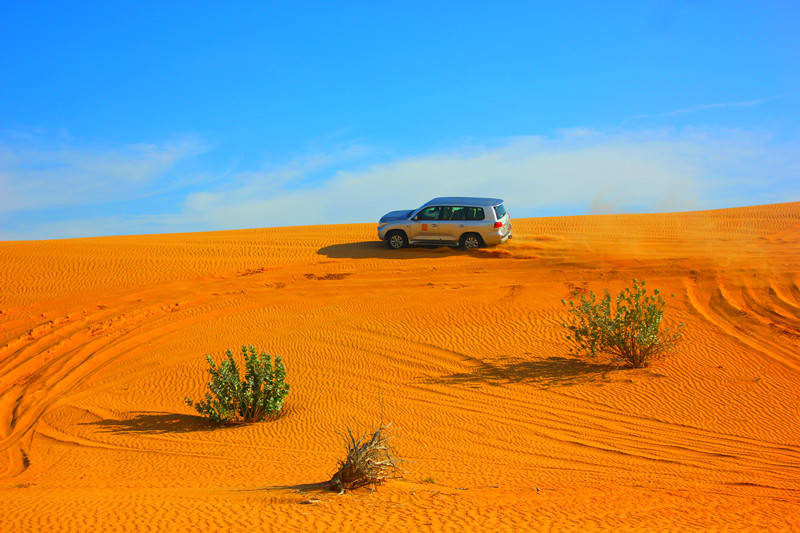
(500, 211)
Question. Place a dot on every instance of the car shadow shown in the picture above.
(550, 371)
(371, 249)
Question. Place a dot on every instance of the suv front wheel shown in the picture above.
(396, 240)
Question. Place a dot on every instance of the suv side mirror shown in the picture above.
(415, 218)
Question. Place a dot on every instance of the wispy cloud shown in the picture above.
(38, 172)
(705, 107)
(575, 170)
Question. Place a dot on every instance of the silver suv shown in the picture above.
(465, 222)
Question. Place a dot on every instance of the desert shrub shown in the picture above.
(232, 399)
(369, 461)
(627, 329)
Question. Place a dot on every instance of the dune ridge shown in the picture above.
(499, 426)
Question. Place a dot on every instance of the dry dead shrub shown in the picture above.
(370, 461)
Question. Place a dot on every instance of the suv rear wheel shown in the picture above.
(470, 241)
(396, 240)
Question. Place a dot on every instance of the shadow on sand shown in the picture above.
(547, 372)
(155, 422)
(365, 249)
(323, 487)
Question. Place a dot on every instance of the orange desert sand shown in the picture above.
(499, 427)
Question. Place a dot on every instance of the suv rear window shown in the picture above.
(500, 211)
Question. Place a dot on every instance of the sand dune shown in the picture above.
(500, 428)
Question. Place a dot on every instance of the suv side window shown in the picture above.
(459, 213)
(464, 213)
(429, 213)
(474, 213)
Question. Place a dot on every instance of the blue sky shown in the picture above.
(145, 118)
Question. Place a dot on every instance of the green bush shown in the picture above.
(260, 394)
(627, 330)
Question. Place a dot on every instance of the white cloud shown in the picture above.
(575, 170)
(581, 169)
